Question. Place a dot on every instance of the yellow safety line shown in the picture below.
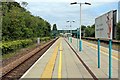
(60, 63)
(102, 50)
(47, 73)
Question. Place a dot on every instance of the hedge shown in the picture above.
(12, 46)
(44, 38)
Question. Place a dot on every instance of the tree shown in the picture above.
(87, 31)
(54, 30)
(24, 3)
(90, 31)
(22, 24)
(83, 27)
(54, 27)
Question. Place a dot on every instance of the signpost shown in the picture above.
(38, 41)
(105, 29)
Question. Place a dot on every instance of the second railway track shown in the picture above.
(16, 69)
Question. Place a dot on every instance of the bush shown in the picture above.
(14, 45)
(44, 38)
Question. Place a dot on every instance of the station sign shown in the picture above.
(105, 25)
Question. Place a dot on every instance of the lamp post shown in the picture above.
(80, 41)
(67, 32)
(71, 30)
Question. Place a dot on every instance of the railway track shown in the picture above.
(17, 68)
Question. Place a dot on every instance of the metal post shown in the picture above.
(77, 38)
(70, 39)
(67, 34)
(71, 32)
(80, 42)
(98, 53)
(110, 59)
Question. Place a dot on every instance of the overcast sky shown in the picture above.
(59, 11)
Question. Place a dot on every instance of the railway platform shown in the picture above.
(90, 56)
(64, 61)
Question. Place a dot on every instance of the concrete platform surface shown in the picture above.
(90, 56)
(59, 61)
(69, 65)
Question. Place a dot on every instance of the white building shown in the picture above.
(119, 11)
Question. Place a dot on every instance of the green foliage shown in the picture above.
(54, 30)
(90, 31)
(83, 27)
(24, 3)
(54, 27)
(18, 23)
(19, 28)
(45, 38)
(11, 46)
